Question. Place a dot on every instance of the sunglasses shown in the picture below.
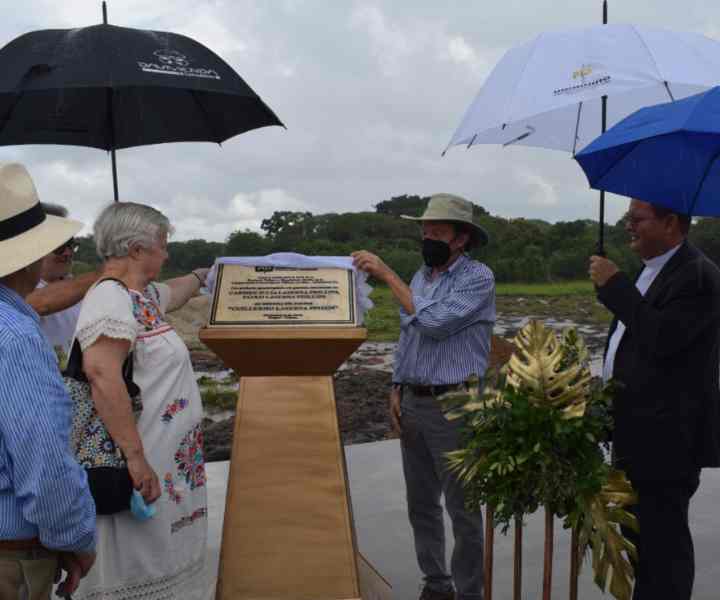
(70, 244)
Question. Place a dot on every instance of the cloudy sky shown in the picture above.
(370, 92)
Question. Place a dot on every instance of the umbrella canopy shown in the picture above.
(665, 154)
(114, 87)
(547, 92)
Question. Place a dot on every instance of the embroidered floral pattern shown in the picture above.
(174, 408)
(189, 458)
(188, 519)
(147, 312)
(169, 486)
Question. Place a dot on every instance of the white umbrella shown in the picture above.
(547, 92)
(552, 92)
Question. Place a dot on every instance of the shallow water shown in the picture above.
(379, 355)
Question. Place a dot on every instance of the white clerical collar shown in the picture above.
(658, 262)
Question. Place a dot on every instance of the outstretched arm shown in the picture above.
(185, 287)
(60, 295)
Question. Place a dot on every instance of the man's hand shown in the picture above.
(77, 565)
(372, 264)
(368, 262)
(601, 270)
(395, 410)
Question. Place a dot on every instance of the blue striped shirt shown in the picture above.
(448, 337)
(43, 491)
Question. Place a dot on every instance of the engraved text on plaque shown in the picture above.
(260, 296)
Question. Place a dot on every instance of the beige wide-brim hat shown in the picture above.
(448, 207)
(27, 234)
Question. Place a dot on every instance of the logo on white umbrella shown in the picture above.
(172, 62)
(585, 77)
(581, 73)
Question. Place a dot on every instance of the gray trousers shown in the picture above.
(426, 436)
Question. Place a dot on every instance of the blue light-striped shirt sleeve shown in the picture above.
(43, 491)
(448, 337)
(440, 317)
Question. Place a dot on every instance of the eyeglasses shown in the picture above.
(70, 244)
(634, 221)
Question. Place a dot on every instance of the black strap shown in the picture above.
(22, 222)
(74, 367)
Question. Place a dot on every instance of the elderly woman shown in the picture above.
(161, 557)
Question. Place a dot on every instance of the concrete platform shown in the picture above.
(384, 536)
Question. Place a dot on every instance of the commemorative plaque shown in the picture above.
(284, 297)
(285, 326)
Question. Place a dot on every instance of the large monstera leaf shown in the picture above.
(598, 530)
(553, 371)
(540, 365)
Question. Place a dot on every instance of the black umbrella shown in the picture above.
(113, 87)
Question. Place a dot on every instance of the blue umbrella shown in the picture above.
(665, 154)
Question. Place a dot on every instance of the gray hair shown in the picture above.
(54, 209)
(124, 224)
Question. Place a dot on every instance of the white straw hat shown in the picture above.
(27, 234)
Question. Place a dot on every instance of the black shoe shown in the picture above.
(430, 594)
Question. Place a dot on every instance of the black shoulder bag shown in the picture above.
(108, 476)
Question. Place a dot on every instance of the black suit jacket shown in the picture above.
(667, 416)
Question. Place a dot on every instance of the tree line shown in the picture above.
(520, 250)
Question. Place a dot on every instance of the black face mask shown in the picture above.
(435, 252)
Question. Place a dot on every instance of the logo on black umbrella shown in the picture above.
(172, 62)
(172, 57)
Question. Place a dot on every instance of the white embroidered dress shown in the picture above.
(162, 558)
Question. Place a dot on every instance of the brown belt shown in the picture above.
(20, 545)
(434, 390)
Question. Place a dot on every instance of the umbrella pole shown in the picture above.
(115, 177)
(112, 151)
(601, 231)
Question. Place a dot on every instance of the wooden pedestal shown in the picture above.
(288, 530)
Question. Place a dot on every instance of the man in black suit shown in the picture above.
(663, 346)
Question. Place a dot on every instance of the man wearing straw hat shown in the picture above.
(446, 319)
(47, 515)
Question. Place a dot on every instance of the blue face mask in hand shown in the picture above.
(140, 510)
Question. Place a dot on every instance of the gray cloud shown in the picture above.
(370, 93)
